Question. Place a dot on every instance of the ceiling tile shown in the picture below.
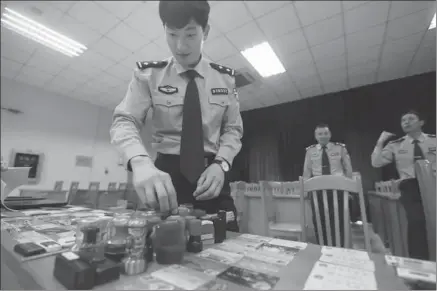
(329, 49)
(324, 31)
(74, 76)
(410, 24)
(32, 76)
(15, 40)
(367, 15)
(311, 92)
(402, 8)
(333, 76)
(311, 12)
(127, 37)
(259, 8)
(246, 36)
(15, 54)
(97, 60)
(399, 61)
(363, 55)
(335, 87)
(332, 63)
(60, 84)
(162, 43)
(279, 22)
(230, 15)
(306, 82)
(348, 5)
(84, 68)
(422, 67)
(145, 19)
(390, 74)
(367, 37)
(46, 65)
(281, 84)
(236, 62)
(429, 39)
(110, 49)
(289, 43)
(304, 71)
(64, 6)
(427, 53)
(40, 11)
(10, 68)
(94, 16)
(120, 9)
(409, 43)
(363, 69)
(77, 31)
(297, 60)
(214, 31)
(120, 71)
(219, 48)
(361, 80)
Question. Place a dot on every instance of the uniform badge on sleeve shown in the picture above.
(167, 89)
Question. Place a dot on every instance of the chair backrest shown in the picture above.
(58, 185)
(110, 198)
(94, 186)
(276, 187)
(74, 186)
(122, 186)
(112, 186)
(291, 188)
(319, 186)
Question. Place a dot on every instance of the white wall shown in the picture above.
(61, 128)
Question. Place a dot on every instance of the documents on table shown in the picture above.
(415, 275)
(414, 264)
(347, 257)
(325, 276)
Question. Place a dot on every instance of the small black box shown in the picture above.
(72, 272)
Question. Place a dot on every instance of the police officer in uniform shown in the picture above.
(197, 126)
(327, 158)
(405, 151)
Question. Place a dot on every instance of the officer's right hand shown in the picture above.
(385, 135)
(154, 187)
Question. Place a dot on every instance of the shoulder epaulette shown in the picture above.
(398, 140)
(151, 64)
(311, 146)
(431, 135)
(340, 144)
(223, 69)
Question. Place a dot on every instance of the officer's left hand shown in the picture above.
(210, 183)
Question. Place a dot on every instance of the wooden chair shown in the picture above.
(273, 228)
(291, 189)
(112, 186)
(122, 186)
(334, 183)
(87, 198)
(74, 186)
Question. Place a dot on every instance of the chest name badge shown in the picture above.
(334, 154)
(167, 89)
(402, 152)
(219, 91)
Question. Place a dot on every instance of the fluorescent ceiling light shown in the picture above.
(264, 60)
(39, 33)
(432, 25)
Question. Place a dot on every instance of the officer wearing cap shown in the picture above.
(327, 158)
(405, 151)
(197, 126)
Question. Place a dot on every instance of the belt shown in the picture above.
(208, 157)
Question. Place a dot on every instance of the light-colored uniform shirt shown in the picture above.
(161, 86)
(339, 160)
(402, 152)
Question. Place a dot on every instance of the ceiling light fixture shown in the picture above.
(432, 25)
(31, 29)
(264, 60)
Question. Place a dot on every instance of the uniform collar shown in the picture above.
(328, 146)
(422, 137)
(201, 68)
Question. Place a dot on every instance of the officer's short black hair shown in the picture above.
(177, 14)
(322, 125)
(413, 112)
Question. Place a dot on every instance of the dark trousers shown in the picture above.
(185, 189)
(417, 234)
(320, 203)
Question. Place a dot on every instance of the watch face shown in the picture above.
(225, 166)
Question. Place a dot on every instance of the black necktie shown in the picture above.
(418, 153)
(326, 167)
(192, 152)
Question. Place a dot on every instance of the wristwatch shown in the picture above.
(223, 164)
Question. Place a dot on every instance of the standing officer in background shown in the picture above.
(405, 151)
(327, 158)
(197, 126)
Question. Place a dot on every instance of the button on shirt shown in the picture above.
(401, 151)
(163, 89)
(339, 160)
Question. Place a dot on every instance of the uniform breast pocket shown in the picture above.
(167, 111)
(217, 105)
